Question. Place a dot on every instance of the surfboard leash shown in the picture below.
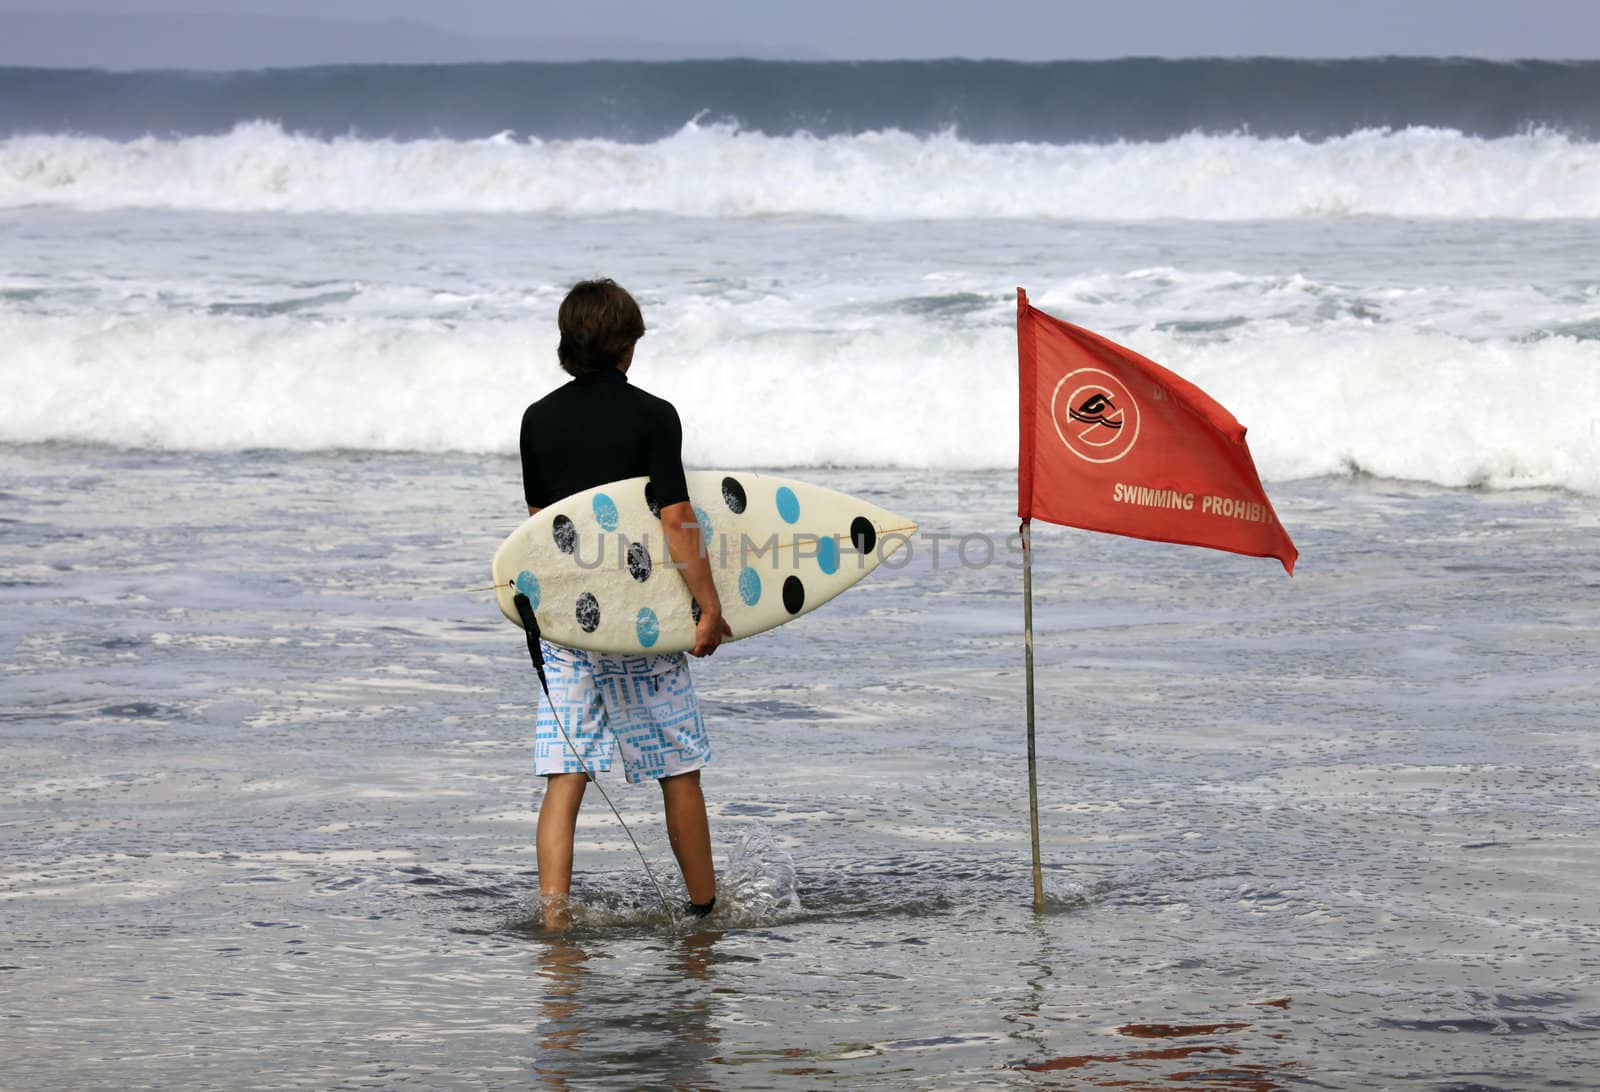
(530, 629)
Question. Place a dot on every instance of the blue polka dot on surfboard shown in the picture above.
(788, 504)
(528, 584)
(704, 521)
(605, 512)
(647, 626)
(749, 586)
(828, 554)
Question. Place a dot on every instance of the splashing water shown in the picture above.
(759, 882)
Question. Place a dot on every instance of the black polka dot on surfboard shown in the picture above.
(863, 535)
(694, 609)
(565, 534)
(794, 595)
(650, 499)
(588, 613)
(733, 495)
(639, 562)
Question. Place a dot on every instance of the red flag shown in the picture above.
(1114, 442)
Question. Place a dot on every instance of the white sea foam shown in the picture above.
(1420, 405)
(716, 170)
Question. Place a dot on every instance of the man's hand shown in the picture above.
(709, 632)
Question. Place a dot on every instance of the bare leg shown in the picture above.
(558, 821)
(690, 834)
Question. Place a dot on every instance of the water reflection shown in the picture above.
(1222, 1055)
(562, 966)
(655, 1031)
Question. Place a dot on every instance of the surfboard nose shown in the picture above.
(878, 531)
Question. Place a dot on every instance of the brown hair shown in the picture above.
(599, 323)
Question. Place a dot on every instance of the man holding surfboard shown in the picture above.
(596, 429)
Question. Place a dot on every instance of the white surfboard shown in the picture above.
(594, 566)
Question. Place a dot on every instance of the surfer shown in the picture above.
(595, 429)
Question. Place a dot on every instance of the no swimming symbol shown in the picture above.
(1095, 415)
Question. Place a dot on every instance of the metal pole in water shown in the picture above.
(1033, 763)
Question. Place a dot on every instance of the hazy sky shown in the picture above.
(1019, 29)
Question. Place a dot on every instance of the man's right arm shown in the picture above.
(687, 547)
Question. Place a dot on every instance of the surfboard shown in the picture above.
(596, 570)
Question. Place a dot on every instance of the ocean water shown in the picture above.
(266, 805)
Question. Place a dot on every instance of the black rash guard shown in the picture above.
(597, 429)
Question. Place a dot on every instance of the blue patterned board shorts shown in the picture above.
(644, 703)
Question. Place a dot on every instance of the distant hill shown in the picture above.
(221, 42)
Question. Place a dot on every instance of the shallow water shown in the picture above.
(266, 808)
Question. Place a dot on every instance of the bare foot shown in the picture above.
(557, 912)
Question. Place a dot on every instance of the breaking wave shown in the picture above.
(1420, 405)
(721, 171)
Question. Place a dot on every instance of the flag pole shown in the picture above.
(1033, 764)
